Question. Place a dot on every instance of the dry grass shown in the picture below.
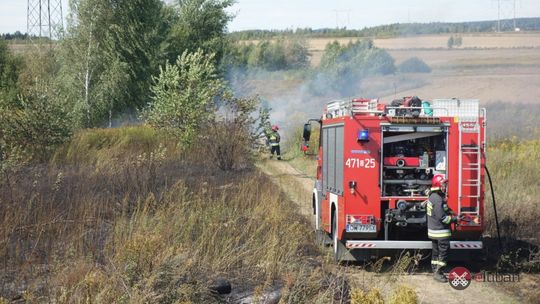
(515, 166)
(122, 216)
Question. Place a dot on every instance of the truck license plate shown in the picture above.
(356, 227)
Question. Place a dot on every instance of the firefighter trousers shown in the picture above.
(275, 149)
(439, 253)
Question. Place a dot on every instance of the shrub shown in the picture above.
(228, 139)
(414, 65)
(34, 128)
(10, 68)
(404, 295)
(374, 296)
(184, 95)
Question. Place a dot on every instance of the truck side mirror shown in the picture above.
(307, 132)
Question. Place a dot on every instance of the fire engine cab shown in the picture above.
(374, 168)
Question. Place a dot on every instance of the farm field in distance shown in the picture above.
(489, 67)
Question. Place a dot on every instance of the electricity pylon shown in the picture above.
(45, 19)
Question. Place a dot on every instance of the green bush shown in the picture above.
(414, 65)
(184, 95)
(34, 128)
(10, 67)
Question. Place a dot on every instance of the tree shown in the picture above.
(184, 95)
(450, 42)
(109, 54)
(458, 41)
(198, 24)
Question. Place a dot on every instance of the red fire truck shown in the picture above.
(374, 170)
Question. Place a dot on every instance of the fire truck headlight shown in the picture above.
(363, 135)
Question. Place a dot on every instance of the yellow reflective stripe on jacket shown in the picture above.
(440, 263)
(429, 208)
(447, 219)
(439, 234)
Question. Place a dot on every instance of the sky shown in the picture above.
(354, 14)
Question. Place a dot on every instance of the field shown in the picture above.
(488, 67)
(470, 41)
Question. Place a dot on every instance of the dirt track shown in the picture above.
(299, 187)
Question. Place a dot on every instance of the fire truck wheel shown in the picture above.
(336, 243)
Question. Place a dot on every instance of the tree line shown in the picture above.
(391, 30)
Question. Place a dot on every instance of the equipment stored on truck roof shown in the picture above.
(374, 169)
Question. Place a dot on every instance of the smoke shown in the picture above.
(295, 95)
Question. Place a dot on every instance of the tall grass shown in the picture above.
(123, 215)
(515, 168)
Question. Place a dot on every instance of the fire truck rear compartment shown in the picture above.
(411, 155)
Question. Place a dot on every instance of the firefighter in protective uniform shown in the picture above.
(273, 140)
(439, 218)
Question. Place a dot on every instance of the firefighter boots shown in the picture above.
(438, 275)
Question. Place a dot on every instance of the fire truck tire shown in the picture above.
(337, 246)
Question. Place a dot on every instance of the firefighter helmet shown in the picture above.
(437, 180)
(275, 127)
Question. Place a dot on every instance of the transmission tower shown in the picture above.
(506, 15)
(45, 19)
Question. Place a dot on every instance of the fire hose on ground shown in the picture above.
(494, 208)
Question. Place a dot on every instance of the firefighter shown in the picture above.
(439, 218)
(273, 140)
